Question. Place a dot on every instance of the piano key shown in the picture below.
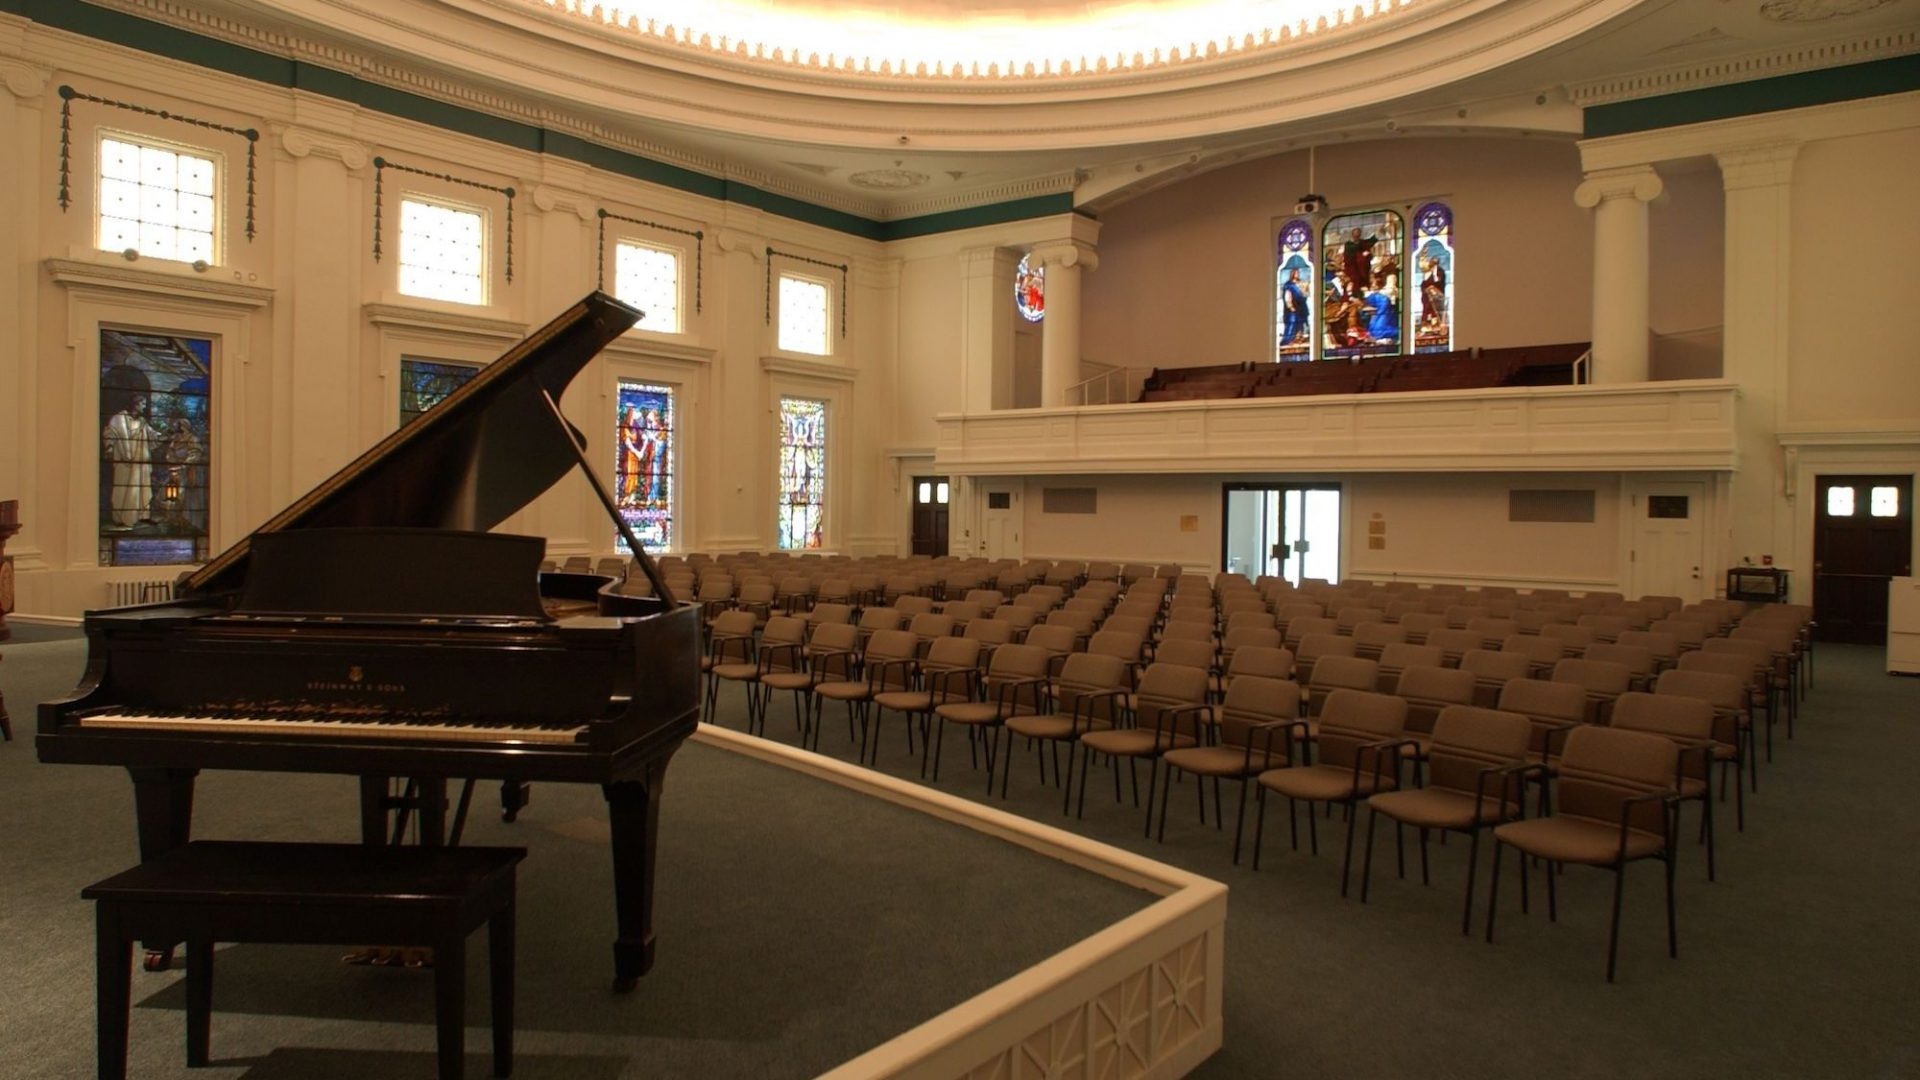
(438, 728)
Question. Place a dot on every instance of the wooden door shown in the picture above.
(932, 497)
(1669, 544)
(1862, 536)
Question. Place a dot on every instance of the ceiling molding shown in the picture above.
(1759, 65)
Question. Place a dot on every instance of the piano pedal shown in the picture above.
(157, 960)
(389, 956)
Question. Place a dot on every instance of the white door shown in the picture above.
(1669, 540)
(1000, 519)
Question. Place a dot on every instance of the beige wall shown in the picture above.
(1854, 231)
(1185, 273)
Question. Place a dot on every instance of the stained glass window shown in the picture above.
(1361, 305)
(157, 201)
(1293, 292)
(155, 445)
(426, 383)
(648, 277)
(1433, 261)
(803, 315)
(443, 252)
(803, 473)
(643, 471)
(1030, 290)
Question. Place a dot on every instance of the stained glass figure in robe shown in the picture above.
(156, 442)
(1030, 290)
(1433, 260)
(1293, 292)
(426, 383)
(1360, 312)
(643, 470)
(803, 478)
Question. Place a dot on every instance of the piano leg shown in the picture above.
(163, 809)
(633, 810)
(514, 796)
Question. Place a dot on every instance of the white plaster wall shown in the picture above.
(306, 365)
(1443, 527)
(1185, 272)
(1686, 230)
(1855, 227)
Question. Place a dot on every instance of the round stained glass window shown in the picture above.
(1030, 290)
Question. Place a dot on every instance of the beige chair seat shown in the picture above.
(1135, 742)
(842, 691)
(970, 712)
(1053, 727)
(736, 670)
(1225, 760)
(1325, 783)
(1568, 839)
(1436, 808)
(911, 701)
(788, 680)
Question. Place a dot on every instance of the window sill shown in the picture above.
(104, 271)
(813, 367)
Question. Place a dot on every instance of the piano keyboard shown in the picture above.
(433, 728)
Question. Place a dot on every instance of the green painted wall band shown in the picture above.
(1875, 78)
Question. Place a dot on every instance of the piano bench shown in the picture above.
(308, 894)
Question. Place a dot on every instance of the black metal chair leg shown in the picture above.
(1240, 818)
(1473, 870)
(1613, 935)
(1259, 824)
(1493, 888)
(1366, 859)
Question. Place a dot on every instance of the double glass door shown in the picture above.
(1281, 530)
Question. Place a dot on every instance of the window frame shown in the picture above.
(217, 243)
(677, 395)
(828, 316)
(430, 198)
(830, 403)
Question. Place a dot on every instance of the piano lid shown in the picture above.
(491, 447)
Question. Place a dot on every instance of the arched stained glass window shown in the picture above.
(1433, 262)
(644, 465)
(1030, 290)
(1362, 280)
(803, 473)
(1293, 292)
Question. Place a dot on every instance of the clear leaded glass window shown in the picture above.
(156, 441)
(644, 463)
(1360, 306)
(803, 473)
(1839, 502)
(804, 305)
(1293, 292)
(426, 383)
(648, 277)
(443, 252)
(156, 200)
(1884, 502)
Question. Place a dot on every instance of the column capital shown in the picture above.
(1766, 165)
(735, 242)
(1065, 253)
(300, 142)
(1639, 182)
(549, 199)
(24, 80)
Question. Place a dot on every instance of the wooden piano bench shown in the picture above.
(309, 894)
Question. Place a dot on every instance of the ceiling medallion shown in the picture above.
(1802, 11)
(888, 179)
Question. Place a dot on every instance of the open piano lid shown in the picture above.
(487, 450)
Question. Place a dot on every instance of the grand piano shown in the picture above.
(375, 628)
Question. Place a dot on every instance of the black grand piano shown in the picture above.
(375, 628)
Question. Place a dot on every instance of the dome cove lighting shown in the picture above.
(958, 40)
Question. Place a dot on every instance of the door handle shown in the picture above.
(1696, 573)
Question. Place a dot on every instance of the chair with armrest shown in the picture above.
(1360, 751)
(1251, 726)
(1015, 683)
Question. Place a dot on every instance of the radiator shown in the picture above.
(123, 593)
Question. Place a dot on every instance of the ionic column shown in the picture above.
(1060, 331)
(1619, 198)
(1759, 188)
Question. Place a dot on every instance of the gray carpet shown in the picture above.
(1799, 962)
(799, 925)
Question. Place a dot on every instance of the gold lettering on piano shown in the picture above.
(356, 682)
